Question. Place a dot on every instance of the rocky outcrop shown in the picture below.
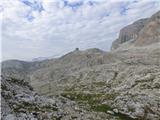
(129, 32)
(141, 33)
(151, 32)
(20, 102)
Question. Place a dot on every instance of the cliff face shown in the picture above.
(151, 32)
(92, 84)
(141, 33)
(129, 32)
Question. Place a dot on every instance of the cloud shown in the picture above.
(41, 28)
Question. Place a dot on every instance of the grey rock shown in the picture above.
(10, 117)
(129, 32)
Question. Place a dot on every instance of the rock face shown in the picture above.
(129, 32)
(141, 33)
(20, 102)
(92, 84)
(151, 32)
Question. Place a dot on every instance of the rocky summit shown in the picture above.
(123, 84)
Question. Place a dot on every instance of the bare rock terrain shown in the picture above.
(129, 32)
(151, 32)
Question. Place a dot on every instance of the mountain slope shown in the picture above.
(20, 102)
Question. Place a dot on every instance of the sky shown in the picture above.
(51, 28)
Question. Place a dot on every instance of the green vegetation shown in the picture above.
(55, 118)
(94, 102)
(91, 100)
(101, 108)
(33, 107)
(99, 84)
(131, 109)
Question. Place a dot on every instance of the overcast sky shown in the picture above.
(44, 28)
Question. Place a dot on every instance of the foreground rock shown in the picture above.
(19, 102)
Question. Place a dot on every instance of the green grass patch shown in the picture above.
(101, 108)
(99, 84)
(91, 100)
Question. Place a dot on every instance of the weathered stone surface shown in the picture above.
(141, 33)
(21, 103)
(151, 32)
(129, 32)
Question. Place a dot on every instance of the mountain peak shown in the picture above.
(142, 32)
(151, 32)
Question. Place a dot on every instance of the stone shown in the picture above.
(10, 117)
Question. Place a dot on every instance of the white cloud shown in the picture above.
(59, 29)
